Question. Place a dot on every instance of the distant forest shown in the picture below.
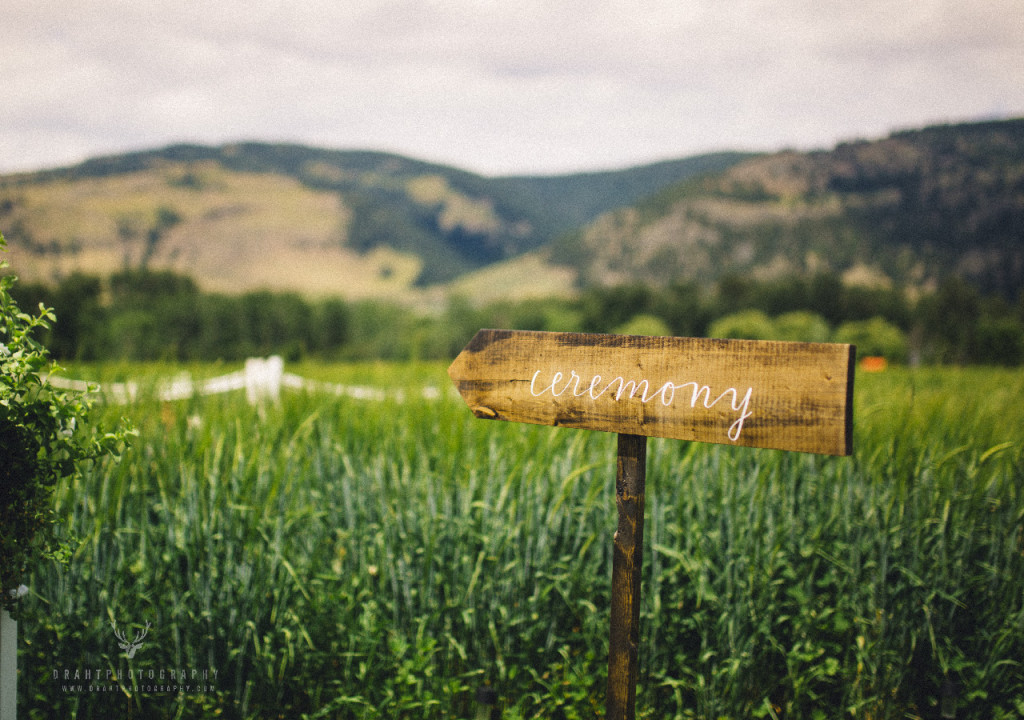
(157, 315)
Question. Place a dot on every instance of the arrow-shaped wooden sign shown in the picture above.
(784, 395)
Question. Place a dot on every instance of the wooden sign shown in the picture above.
(784, 395)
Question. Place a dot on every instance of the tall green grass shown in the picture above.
(338, 558)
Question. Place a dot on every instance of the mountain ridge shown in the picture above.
(905, 210)
(393, 217)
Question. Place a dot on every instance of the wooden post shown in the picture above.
(627, 562)
(8, 666)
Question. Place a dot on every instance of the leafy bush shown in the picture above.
(874, 337)
(43, 439)
(801, 326)
(1000, 341)
(745, 324)
(644, 324)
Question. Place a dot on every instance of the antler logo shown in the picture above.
(129, 646)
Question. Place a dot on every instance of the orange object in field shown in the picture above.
(874, 363)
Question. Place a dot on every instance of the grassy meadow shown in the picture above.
(333, 557)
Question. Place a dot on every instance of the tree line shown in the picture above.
(159, 315)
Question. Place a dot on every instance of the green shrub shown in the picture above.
(644, 324)
(745, 325)
(44, 439)
(1000, 341)
(801, 326)
(874, 337)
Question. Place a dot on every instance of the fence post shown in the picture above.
(9, 661)
(263, 378)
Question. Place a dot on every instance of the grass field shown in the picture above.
(340, 558)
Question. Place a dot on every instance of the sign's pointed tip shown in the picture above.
(454, 367)
(462, 366)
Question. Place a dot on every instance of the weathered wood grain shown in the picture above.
(783, 395)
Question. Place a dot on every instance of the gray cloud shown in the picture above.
(497, 87)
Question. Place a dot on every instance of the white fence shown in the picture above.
(262, 380)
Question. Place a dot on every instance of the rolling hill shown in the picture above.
(286, 217)
(902, 211)
(906, 210)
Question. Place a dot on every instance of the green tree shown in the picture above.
(999, 341)
(801, 326)
(826, 295)
(277, 323)
(331, 319)
(221, 335)
(683, 307)
(745, 324)
(644, 324)
(876, 336)
(735, 292)
(605, 308)
(153, 315)
(44, 439)
(77, 303)
(949, 318)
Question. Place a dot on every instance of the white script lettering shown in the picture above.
(640, 390)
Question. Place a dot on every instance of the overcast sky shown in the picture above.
(494, 86)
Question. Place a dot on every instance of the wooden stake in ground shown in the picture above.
(783, 395)
(627, 564)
